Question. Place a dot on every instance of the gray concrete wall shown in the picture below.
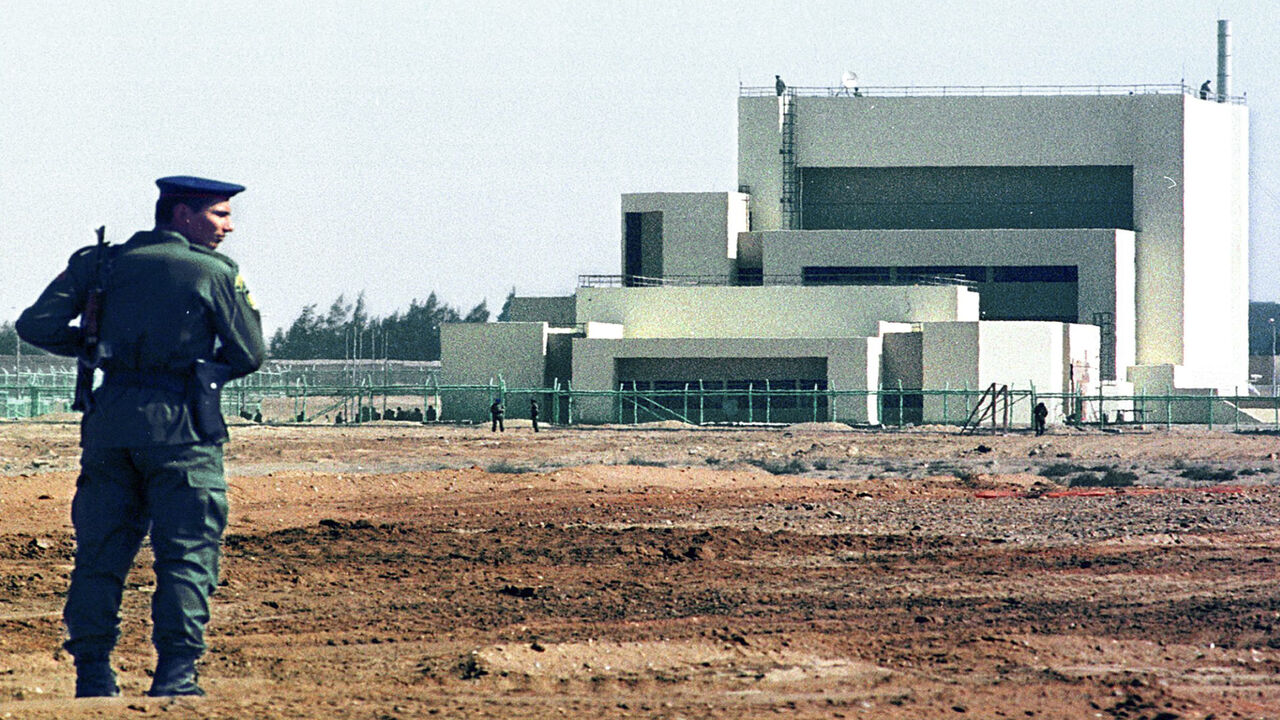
(484, 353)
(556, 311)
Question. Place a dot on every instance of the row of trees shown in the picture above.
(347, 330)
(9, 341)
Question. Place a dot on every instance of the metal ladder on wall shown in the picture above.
(790, 198)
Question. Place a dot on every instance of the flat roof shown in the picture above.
(983, 91)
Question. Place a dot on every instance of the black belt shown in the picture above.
(154, 379)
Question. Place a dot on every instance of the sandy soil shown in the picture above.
(405, 571)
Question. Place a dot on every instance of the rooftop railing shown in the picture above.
(988, 91)
(604, 281)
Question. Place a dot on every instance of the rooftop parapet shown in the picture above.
(986, 91)
(605, 281)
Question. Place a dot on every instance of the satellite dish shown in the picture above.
(849, 79)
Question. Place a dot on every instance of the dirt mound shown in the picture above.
(665, 425)
(819, 427)
(395, 570)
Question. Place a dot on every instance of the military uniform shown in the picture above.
(147, 465)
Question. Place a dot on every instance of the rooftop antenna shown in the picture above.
(849, 81)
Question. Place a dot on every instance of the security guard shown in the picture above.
(151, 435)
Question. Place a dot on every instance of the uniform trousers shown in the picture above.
(178, 493)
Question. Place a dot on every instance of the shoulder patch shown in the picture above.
(243, 289)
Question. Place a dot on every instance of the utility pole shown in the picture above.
(1272, 322)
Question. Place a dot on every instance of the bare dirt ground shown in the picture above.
(407, 571)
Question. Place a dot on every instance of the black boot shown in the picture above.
(95, 678)
(175, 675)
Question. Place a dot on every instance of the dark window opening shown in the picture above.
(971, 197)
(931, 272)
(1035, 273)
(727, 400)
(903, 408)
(632, 255)
(835, 275)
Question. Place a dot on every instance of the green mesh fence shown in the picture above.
(371, 394)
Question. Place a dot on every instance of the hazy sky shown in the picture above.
(468, 147)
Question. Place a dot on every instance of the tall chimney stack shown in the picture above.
(1224, 60)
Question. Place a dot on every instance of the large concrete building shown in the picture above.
(1066, 239)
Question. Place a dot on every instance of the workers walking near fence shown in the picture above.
(533, 414)
(496, 411)
(1041, 414)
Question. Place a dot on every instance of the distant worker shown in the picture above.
(496, 411)
(431, 413)
(1204, 90)
(781, 87)
(169, 321)
(257, 416)
(1041, 415)
(533, 414)
(415, 415)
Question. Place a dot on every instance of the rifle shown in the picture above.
(92, 352)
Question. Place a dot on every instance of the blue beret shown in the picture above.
(187, 186)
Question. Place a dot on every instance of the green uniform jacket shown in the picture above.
(166, 304)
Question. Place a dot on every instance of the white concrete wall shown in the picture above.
(483, 353)
(1105, 259)
(1190, 160)
(603, 330)
(1215, 188)
(699, 230)
(852, 364)
(770, 312)
(1021, 354)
